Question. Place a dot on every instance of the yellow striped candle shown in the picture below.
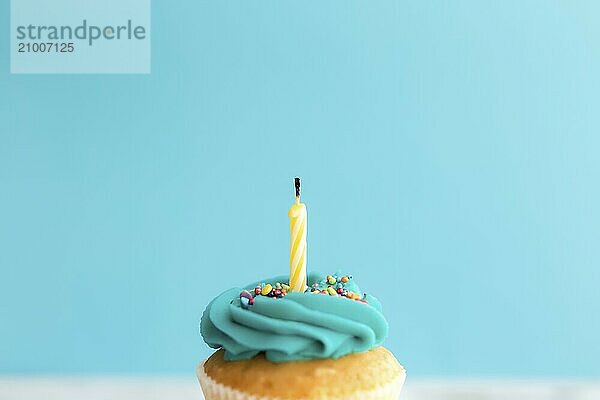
(297, 216)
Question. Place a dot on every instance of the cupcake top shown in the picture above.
(331, 319)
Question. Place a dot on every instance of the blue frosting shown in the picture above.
(296, 327)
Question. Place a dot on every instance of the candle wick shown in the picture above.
(297, 186)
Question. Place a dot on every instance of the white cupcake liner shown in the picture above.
(215, 391)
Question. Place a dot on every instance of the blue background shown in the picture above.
(450, 158)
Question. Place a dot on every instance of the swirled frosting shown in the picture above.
(296, 327)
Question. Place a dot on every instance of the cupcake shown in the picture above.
(323, 343)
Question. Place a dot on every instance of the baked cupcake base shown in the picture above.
(372, 375)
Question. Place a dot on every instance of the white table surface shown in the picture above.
(187, 388)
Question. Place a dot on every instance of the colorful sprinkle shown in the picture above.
(245, 302)
(266, 289)
(278, 290)
(336, 285)
(332, 285)
(246, 294)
